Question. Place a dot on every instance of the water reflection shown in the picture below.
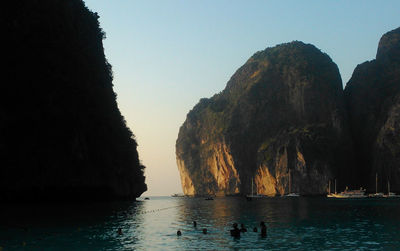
(219, 215)
(293, 223)
(70, 226)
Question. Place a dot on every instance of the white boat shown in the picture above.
(290, 194)
(390, 194)
(349, 194)
(178, 195)
(376, 194)
(252, 195)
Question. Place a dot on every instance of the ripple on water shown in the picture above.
(298, 224)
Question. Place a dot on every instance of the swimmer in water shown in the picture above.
(194, 224)
(235, 232)
(242, 228)
(179, 233)
(204, 230)
(119, 231)
(263, 229)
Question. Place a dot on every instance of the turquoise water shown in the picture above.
(293, 224)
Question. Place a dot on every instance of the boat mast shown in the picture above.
(376, 183)
(335, 186)
(388, 188)
(290, 183)
(329, 192)
(252, 187)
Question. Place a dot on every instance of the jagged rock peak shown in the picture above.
(389, 46)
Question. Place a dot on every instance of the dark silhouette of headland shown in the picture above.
(62, 136)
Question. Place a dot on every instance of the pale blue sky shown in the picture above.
(166, 55)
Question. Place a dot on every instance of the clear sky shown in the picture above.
(166, 55)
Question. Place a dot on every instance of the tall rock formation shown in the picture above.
(281, 113)
(373, 101)
(62, 136)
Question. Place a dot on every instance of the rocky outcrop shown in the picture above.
(281, 113)
(373, 101)
(62, 136)
(221, 173)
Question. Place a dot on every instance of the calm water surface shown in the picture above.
(293, 224)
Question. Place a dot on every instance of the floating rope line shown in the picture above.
(157, 210)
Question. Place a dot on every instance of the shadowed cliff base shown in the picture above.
(62, 135)
(282, 113)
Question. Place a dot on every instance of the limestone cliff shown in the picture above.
(282, 110)
(62, 136)
(373, 101)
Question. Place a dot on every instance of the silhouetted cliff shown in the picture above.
(282, 110)
(62, 135)
(373, 101)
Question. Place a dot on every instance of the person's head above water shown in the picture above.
(235, 232)
(179, 233)
(194, 223)
(204, 230)
(119, 231)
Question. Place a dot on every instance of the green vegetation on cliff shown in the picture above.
(61, 133)
(283, 109)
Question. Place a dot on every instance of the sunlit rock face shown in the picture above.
(373, 101)
(282, 110)
(220, 178)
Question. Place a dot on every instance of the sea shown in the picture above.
(297, 223)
